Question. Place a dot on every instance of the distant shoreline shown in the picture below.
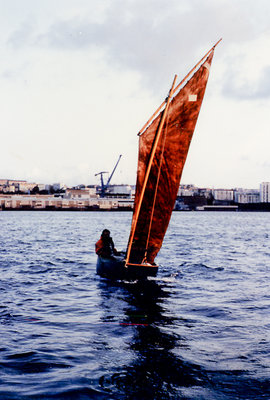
(261, 207)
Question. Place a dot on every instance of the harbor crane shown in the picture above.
(104, 186)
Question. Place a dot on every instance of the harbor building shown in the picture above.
(10, 185)
(246, 196)
(26, 187)
(120, 190)
(265, 192)
(80, 193)
(23, 195)
(223, 195)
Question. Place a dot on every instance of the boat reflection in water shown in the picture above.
(155, 370)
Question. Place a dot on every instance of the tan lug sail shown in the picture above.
(163, 148)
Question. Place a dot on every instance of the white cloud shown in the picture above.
(79, 79)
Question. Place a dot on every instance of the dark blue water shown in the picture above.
(200, 330)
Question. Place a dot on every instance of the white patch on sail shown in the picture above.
(207, 66)
(192, 97)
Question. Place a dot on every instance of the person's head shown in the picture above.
(105, 233)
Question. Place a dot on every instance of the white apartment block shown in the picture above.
(223, 194)
(26, 186)
(187, 190)
(247, 198)
(265, 192)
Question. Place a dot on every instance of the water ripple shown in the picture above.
(199, 330)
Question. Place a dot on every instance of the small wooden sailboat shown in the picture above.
(163, 146)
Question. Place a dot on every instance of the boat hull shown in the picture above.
(141, 271)
(115, 268)
(111, 268)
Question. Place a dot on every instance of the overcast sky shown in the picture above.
(78, 79)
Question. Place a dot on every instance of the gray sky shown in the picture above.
(79, 78)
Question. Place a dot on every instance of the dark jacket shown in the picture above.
(105, 247)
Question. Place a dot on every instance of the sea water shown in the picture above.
(200, 330)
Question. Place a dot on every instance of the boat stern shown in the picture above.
(141, 271)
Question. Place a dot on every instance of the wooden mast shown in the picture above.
(167, 101)
(177, 87)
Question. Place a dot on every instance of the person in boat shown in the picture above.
(105, 246)
(110, 262)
